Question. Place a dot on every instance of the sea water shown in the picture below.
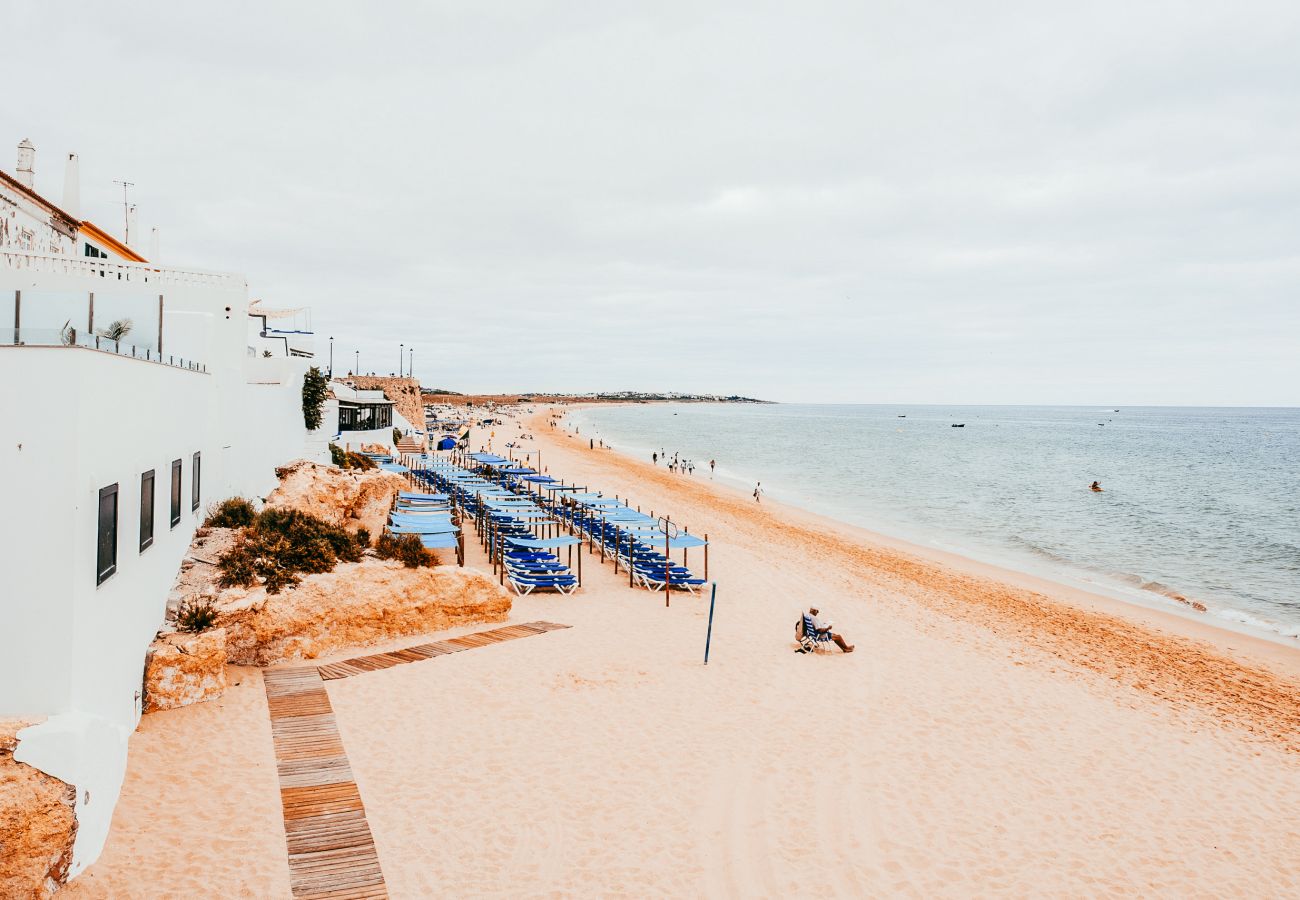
(1197, 503)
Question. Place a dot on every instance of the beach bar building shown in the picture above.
(111, 451)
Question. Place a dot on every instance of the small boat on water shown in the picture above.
(962, 425)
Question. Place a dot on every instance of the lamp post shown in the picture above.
(357, 369)
(401, 358)
(331, 357)
(410, 372)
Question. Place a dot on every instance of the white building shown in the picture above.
(361, 417)
(111, 453)
(32, 224)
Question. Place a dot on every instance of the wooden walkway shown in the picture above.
(362, 664)
(332, 854)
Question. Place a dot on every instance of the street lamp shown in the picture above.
(357, 370)
(401, 358)
(331, 357)
(410, 372)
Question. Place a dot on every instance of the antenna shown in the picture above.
(126, 215)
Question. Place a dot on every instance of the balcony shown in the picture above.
(73, 338)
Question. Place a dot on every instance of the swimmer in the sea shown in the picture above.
(1096, 486)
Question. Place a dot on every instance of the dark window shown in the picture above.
(106, 554)
(194, 483)
(95, 252)
(176, 492)
(146, 510)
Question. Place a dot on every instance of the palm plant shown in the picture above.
(117, 329)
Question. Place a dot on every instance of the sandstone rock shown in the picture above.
(348, 499)
(38, 823)
(181, 669)
(356, 604)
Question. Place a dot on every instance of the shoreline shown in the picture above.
(1243, 680)
(1052, 750)
(1159, 611)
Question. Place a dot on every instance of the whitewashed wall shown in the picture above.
(26, 226)
(76, 420)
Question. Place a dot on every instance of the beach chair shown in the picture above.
(810, 641)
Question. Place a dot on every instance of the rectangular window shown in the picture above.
(194, 483)
(146, 510)
(176, 492)
(106, 552)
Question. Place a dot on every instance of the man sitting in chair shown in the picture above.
(823, 629)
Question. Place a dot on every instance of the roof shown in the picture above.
(59, 216)
(93, 231)
(69, 222)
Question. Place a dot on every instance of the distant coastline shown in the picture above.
(442, 395)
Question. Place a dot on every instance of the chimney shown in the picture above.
(27, 163)
(153, 244)
(130, 225)
(72, 186)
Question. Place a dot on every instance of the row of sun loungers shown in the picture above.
(508, 523)
(521, 513)
(426, 515)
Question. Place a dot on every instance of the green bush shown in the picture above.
(239, 565)
(361, 461)
(195, 615)
(363, 538)
(346, 459)
(406, 547)
(315, 388)
(280, 545)
(397, 436)
(233, 512)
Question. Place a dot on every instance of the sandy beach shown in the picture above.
(992, 734)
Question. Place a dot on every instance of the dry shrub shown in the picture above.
(281, 545)
(233, 512)
(405, 547)
(195, 615)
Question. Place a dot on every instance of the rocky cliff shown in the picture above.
(185, 668)
(356, 604)
(351, 499)
(38, 823)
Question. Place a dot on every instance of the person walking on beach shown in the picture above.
(654, 458)
(692, 467)
(712, 463)
(758, 492)
(825, 628)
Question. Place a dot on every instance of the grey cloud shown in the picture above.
(980, 202)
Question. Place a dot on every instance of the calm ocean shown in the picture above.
(1199, 503)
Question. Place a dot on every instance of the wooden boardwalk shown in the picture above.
(362, 664)
(332, 854)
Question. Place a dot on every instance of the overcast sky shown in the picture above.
(874, 202)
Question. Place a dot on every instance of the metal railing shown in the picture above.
(72, 337)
